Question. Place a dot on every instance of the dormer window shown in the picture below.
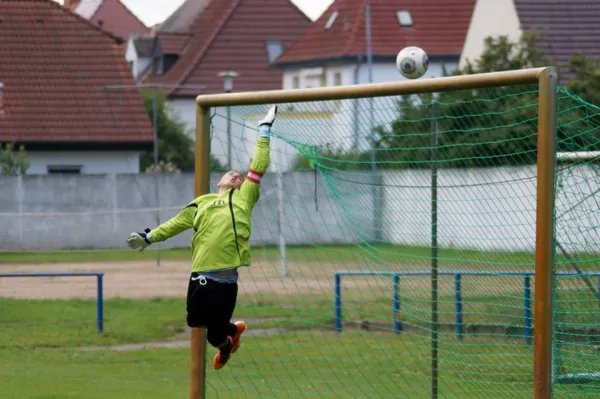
(274, 49)
(331, 20)
(404, 18)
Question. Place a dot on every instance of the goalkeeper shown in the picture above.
(221, 224)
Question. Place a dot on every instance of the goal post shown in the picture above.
(546, 81)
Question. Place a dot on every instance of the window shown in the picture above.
(168, 61)
(296, 82)
(274, 49)
(331, 20)
(404, 18)
(337, 79)
(64, 169)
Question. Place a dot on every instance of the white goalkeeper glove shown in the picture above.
(139, 241)
(264, 125)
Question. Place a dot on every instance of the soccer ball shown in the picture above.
(412, 62)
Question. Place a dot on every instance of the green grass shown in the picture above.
(67, 323)
(41, 358)
(77, 256)
(285, 366)
(299, 365)
(41, 340)
(383, 256)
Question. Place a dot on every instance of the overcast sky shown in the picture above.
(154, 11)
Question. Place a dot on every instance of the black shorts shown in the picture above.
(210, 303)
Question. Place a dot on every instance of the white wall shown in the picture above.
(91, 162)
(490, 18)
(382, 72)
(481, 209)
(490, 209)
(139, 65)
(184, 109)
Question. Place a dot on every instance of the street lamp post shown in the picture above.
(228, 77)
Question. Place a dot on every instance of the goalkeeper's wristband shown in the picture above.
(265, 131)
(148, 236)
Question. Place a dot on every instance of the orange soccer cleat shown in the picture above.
(221, 358)
(235, 340)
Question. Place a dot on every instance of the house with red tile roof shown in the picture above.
(203, 38)
(241, 35)
(569, 27)
(56, 68)
(111, 15)
(333, 51)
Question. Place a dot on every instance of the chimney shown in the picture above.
(71, 4)
(2, 98)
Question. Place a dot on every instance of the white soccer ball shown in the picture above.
(412, 62)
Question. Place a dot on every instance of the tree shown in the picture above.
(175, 146)
(500, 54)
(13, 163)
(586, 78)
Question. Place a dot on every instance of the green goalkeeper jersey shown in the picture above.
(222, 221)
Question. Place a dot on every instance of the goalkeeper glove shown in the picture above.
(139, 241)
(264, 126)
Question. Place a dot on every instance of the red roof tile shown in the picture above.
(116, 18)
(184, 16)
(55, 67)
(232, 35)
(173, 43)
(570, 26)
(439, 27)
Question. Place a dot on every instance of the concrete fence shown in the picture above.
(485, 209)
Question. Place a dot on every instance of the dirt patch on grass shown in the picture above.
(170, 279)
(144, 279)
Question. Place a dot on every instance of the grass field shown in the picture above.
(390, 255)
(301, 363)
(50, 348)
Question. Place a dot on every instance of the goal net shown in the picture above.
(577, 297)
(393, 247)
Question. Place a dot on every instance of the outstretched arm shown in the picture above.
(181, 222)
(260, 161)
(176, 225)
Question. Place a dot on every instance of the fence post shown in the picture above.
(458, 302)
(527, 305)
(397, 326)
(338, 303)
(100, 303)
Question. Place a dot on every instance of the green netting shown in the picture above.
(394, 189)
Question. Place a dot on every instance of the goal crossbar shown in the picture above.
(432, 85)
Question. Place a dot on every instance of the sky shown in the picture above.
(155, 11)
